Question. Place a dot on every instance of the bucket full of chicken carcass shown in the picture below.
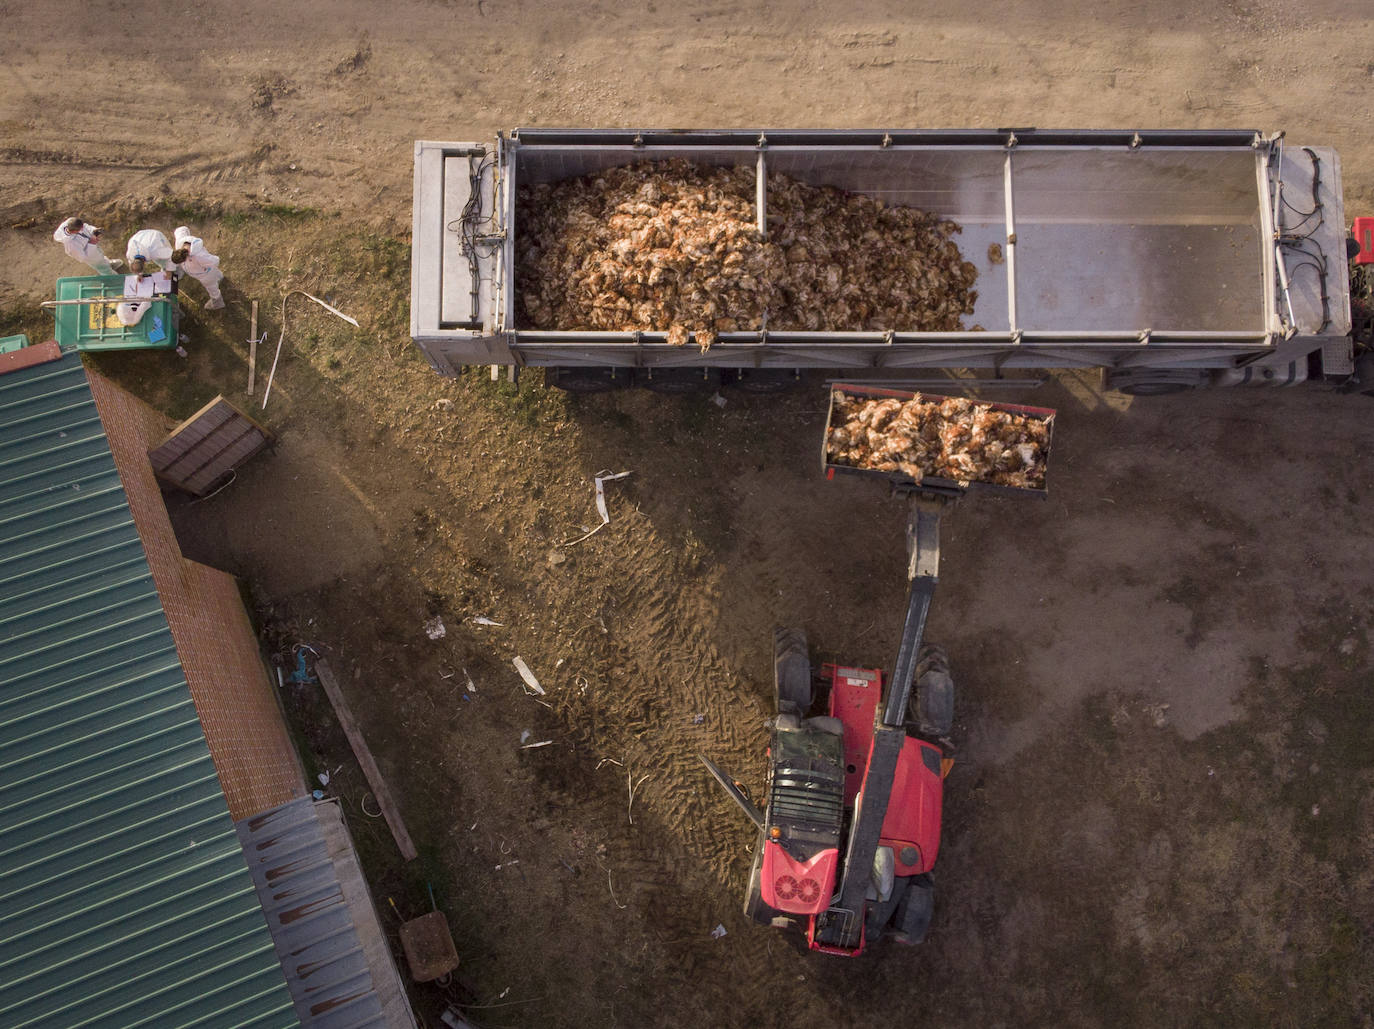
(918, 438)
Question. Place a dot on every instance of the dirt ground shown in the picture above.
(1163, 806)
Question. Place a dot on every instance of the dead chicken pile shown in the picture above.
(672, 246)
(941, 437)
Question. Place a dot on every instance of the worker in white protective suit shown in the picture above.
(82, 242)
(191, 258)
(150, 245)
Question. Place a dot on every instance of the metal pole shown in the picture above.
(91, 301)
(761, 196)
(1011, 244)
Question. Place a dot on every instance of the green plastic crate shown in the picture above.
(9, 344)
(95, 327)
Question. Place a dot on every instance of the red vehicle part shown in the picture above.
(854, 696)
(911, 826)
(840, 952)
(1363, 231)
(797, 887)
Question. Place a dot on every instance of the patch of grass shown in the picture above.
(28, 319)
(290, 213)
(528, 403)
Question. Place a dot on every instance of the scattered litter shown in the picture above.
(484, 620)
(503, 993)
(434, 628)
(1316, 810)
(301, 675)
(531, 683)
(612, 889)
(507, 864)
(602, 478)
(559, 663)
(525, 734)
(443, 404)
(633, 786)
(698, 719)
(472, 686)
(718, 932)
(324, 778)
(541, 743)
(719, 400)
(317, 794)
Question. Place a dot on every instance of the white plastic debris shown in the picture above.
(718, 932)
(472, 686)
(484, 620)
(719, 400)
(434, 628)
(602, 478)
(324, 778)
(531, 683)
(541, 743)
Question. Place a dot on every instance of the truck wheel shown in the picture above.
(791, 671)
(1154, 382)
(911, 921)
(930, 711)
(681, 380)
(588, 380)
(767, 380)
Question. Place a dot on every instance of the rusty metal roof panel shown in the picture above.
(124, 896)
(310, 920)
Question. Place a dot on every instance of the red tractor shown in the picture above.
(851, 827)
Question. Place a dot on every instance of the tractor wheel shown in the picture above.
(931, 708)
(791, 672)
(911, 921)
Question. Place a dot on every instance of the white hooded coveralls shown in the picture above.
(81, 246)
(151, 245)
(200, 264)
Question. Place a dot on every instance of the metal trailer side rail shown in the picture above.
(1269, 336)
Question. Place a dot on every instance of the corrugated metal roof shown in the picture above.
(125, 899)
(310, 919)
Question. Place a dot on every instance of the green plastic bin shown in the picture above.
(9, 344)
(95, 327)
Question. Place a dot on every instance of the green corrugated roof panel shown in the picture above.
(125, 899)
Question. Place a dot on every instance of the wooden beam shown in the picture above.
(364, 756)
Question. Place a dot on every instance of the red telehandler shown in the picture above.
(865, 778)
(850, 829)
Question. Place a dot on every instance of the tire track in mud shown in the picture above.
(664, 694)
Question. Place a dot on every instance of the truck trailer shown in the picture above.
(1168, 259)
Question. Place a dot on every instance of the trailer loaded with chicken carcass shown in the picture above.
(685, 260)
